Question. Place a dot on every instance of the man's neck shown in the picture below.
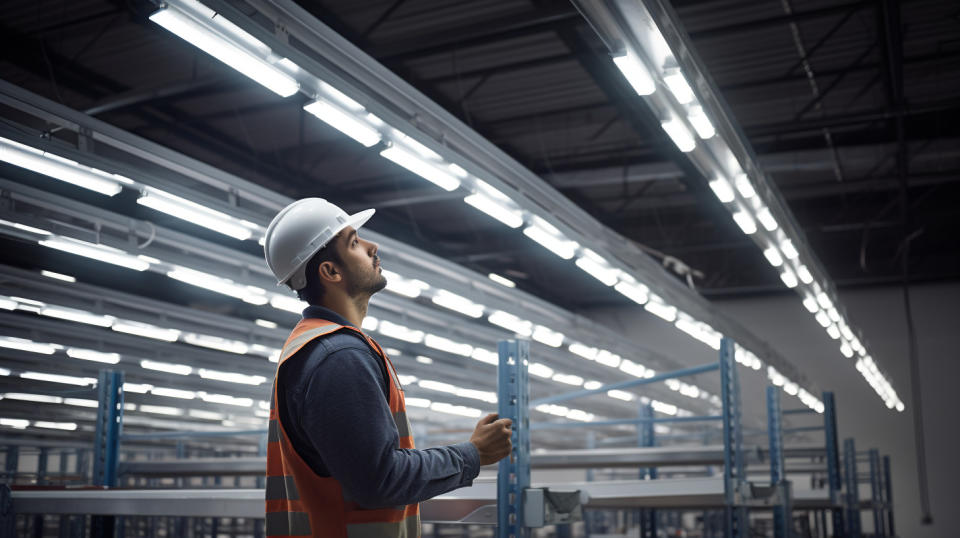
(353, 309)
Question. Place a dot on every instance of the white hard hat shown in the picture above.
(299, 231)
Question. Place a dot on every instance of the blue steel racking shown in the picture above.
(517, 468)
(514, 472)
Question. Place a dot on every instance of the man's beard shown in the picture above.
(365, 283)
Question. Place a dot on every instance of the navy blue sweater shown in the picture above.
(332, 397)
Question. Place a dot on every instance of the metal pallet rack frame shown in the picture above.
(518, 505)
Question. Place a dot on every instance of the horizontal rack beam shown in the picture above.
(549, 459)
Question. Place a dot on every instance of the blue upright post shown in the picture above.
(78, 523)
(833, 463)
(12, 463)
(8, 518)
(513, 474)
(42, 459)
(876, 494)
(64, 529)
(782, 514)
(107, 443)
(888, 496)
(850, 484)
(735, 516)
(645, 434)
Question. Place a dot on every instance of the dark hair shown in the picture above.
(312, 293)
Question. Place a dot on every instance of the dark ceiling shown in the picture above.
(828, 93)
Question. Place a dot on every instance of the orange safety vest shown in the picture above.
(302, 503)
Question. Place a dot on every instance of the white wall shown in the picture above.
(879, 312)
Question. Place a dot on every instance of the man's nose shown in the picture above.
(372, 247)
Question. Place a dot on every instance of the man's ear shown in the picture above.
(329, 271)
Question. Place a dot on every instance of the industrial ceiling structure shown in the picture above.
(839, 119)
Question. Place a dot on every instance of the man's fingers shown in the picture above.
(487, 419)
(506, 422)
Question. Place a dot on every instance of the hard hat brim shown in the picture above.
(360, 218)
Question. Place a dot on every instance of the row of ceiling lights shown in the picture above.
(190, 17)
(682, 114)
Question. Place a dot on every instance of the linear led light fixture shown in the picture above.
(354, 122)
(217, 343)
(657, 307)
(400, 332)
(680, 135)
(287, 303)
(679, 86)
(226, 399)
(57, 167)
(550, 238)
(596, 266)
(408, 287)
(433, 172)
(97, 252)
(178, 369)
(502, 280)
(16, 423)
(232, 377)
(79, 316)
(57, 378)
(495, 208)
(701, 123)
(68, 426)
(93, 355)
(457, 303)
(196, 213)
(23, 344)
(448, 345)
(547, 336)
(722, 189)
(511, 323)
(173, 393)
(161, 410)
(636, 292)
(30, 397)
(205, 29)
(58, 276)
(635, 72)
(249, 294)
(146, 330)
(24, 227)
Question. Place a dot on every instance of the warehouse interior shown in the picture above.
(625, 184)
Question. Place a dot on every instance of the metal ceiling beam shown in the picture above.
(641, 119)
(477, 33)
(800, 192)
(799, 16)
(500, 69)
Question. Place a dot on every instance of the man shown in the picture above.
(340, 457)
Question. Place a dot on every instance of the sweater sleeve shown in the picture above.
(348, 421)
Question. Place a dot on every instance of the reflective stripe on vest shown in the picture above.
(301, 503)
(288, 524)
